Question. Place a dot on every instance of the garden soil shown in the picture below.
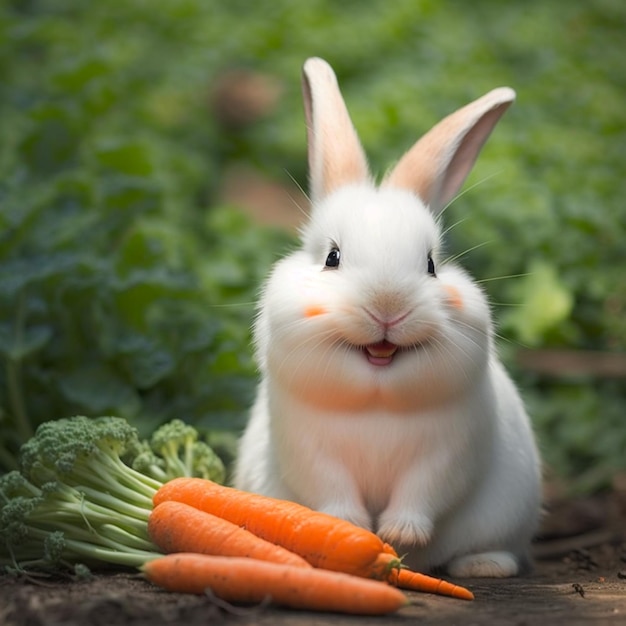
(579, 578)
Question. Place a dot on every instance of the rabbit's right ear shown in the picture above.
(336, 157)
(436, 166)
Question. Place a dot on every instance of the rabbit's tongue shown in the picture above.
(380, 353)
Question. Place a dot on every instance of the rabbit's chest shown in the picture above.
(380, 440)
(376, 450)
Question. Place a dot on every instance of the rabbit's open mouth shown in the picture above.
(380, 353)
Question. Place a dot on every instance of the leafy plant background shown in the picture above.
(127, 285)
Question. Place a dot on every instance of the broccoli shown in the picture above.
(174, 450)
(82, 497)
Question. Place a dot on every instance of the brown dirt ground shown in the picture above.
(579, 578)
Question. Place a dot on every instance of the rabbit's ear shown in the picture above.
(336, 157)
(436, 166)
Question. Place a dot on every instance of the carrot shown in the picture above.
(178, 527)
(406, 579)
(244, 580)
(323, 540)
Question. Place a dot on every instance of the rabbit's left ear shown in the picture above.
(336, 157)
(436, 166)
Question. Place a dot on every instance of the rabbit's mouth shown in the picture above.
(380, 353)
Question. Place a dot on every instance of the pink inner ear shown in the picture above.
(453, 296)
(314, 311)
(336, 157)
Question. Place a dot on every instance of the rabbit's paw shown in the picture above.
(484, 565)
(350, 514)
(407, 529)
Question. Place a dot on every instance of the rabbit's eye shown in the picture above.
(332, 260)
(431, 266)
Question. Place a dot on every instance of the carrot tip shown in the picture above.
(463, 594)
(404, 578)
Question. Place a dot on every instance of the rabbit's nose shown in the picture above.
(385, 319)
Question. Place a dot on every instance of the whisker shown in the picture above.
(228, 305)
(330, 355)
(308, 344)
(461, 254)
(297, 184)
(476, 343)
(468, 189)
(510, 341)
(451, 364)
(336, 346)
(302, 191)
(488, 280)
(449, 228)
(509, 304)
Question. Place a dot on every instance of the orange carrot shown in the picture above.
(244, 580)
(178, 527)
(323, 540)
(406, 579)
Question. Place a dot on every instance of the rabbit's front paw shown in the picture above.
(406, 529)
(358, 517)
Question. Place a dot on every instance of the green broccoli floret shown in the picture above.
(206, 464)
(148, 463)
(176, 443)
(87, 452)
(85, 488)
(75, 500)
(14, 484)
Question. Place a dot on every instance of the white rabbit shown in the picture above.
(382, 400)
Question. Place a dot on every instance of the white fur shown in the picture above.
(434, 451)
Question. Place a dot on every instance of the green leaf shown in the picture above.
(30, 271)
(124, 157)
(17, 345)
(137, 292)
(75, 75)
(97, 389)
(544, 302)
(145, 361)
(54, 139)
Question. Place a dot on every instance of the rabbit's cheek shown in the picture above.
(453, 297)
(314, 311)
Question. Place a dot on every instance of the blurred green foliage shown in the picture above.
(125, 288)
